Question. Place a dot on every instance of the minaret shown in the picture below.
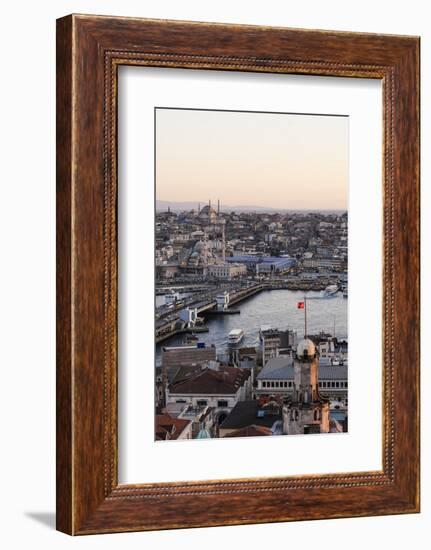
(307, 411)
(205, 248)
(218, 207)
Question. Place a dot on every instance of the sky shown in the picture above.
(287, 161)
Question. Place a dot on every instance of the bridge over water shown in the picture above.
(169, 323)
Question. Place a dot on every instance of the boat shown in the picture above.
(235, 336)
(331, 290)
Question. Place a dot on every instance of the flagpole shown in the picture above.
(305, 316)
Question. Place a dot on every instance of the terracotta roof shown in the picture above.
(168, 427)
(250, 431)
(176, 374)
(224, 381)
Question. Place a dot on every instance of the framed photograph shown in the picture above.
(237, 274)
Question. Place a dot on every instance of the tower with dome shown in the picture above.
(305, 410)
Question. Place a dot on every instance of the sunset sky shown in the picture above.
(257, 159)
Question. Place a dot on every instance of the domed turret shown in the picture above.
(306, 349)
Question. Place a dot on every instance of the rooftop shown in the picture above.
(168, 428)
(250, 431)
(224, 381)
(281, 368)
(246, 413)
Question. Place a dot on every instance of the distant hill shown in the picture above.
(162, 206)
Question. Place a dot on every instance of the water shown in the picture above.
(277, 308)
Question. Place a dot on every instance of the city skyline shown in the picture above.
(226, 207)
(300, 161)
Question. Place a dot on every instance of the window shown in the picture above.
(290, 384)
(337, 384)
(264, 384)
(202, 402)
(222, 403)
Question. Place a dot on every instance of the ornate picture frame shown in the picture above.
(89, 51)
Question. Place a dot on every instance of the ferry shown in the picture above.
(331, 290)
(235, 336)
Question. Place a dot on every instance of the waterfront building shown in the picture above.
(272, 341)
(305, 410)
(264, 264)
(226, 270)
(272, 264)
(330, 263)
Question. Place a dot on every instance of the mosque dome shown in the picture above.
(208, 213)
(207, 210)
(306, 348)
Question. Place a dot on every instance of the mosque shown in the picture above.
(210, 251)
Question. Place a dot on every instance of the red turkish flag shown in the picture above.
(301, 305)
